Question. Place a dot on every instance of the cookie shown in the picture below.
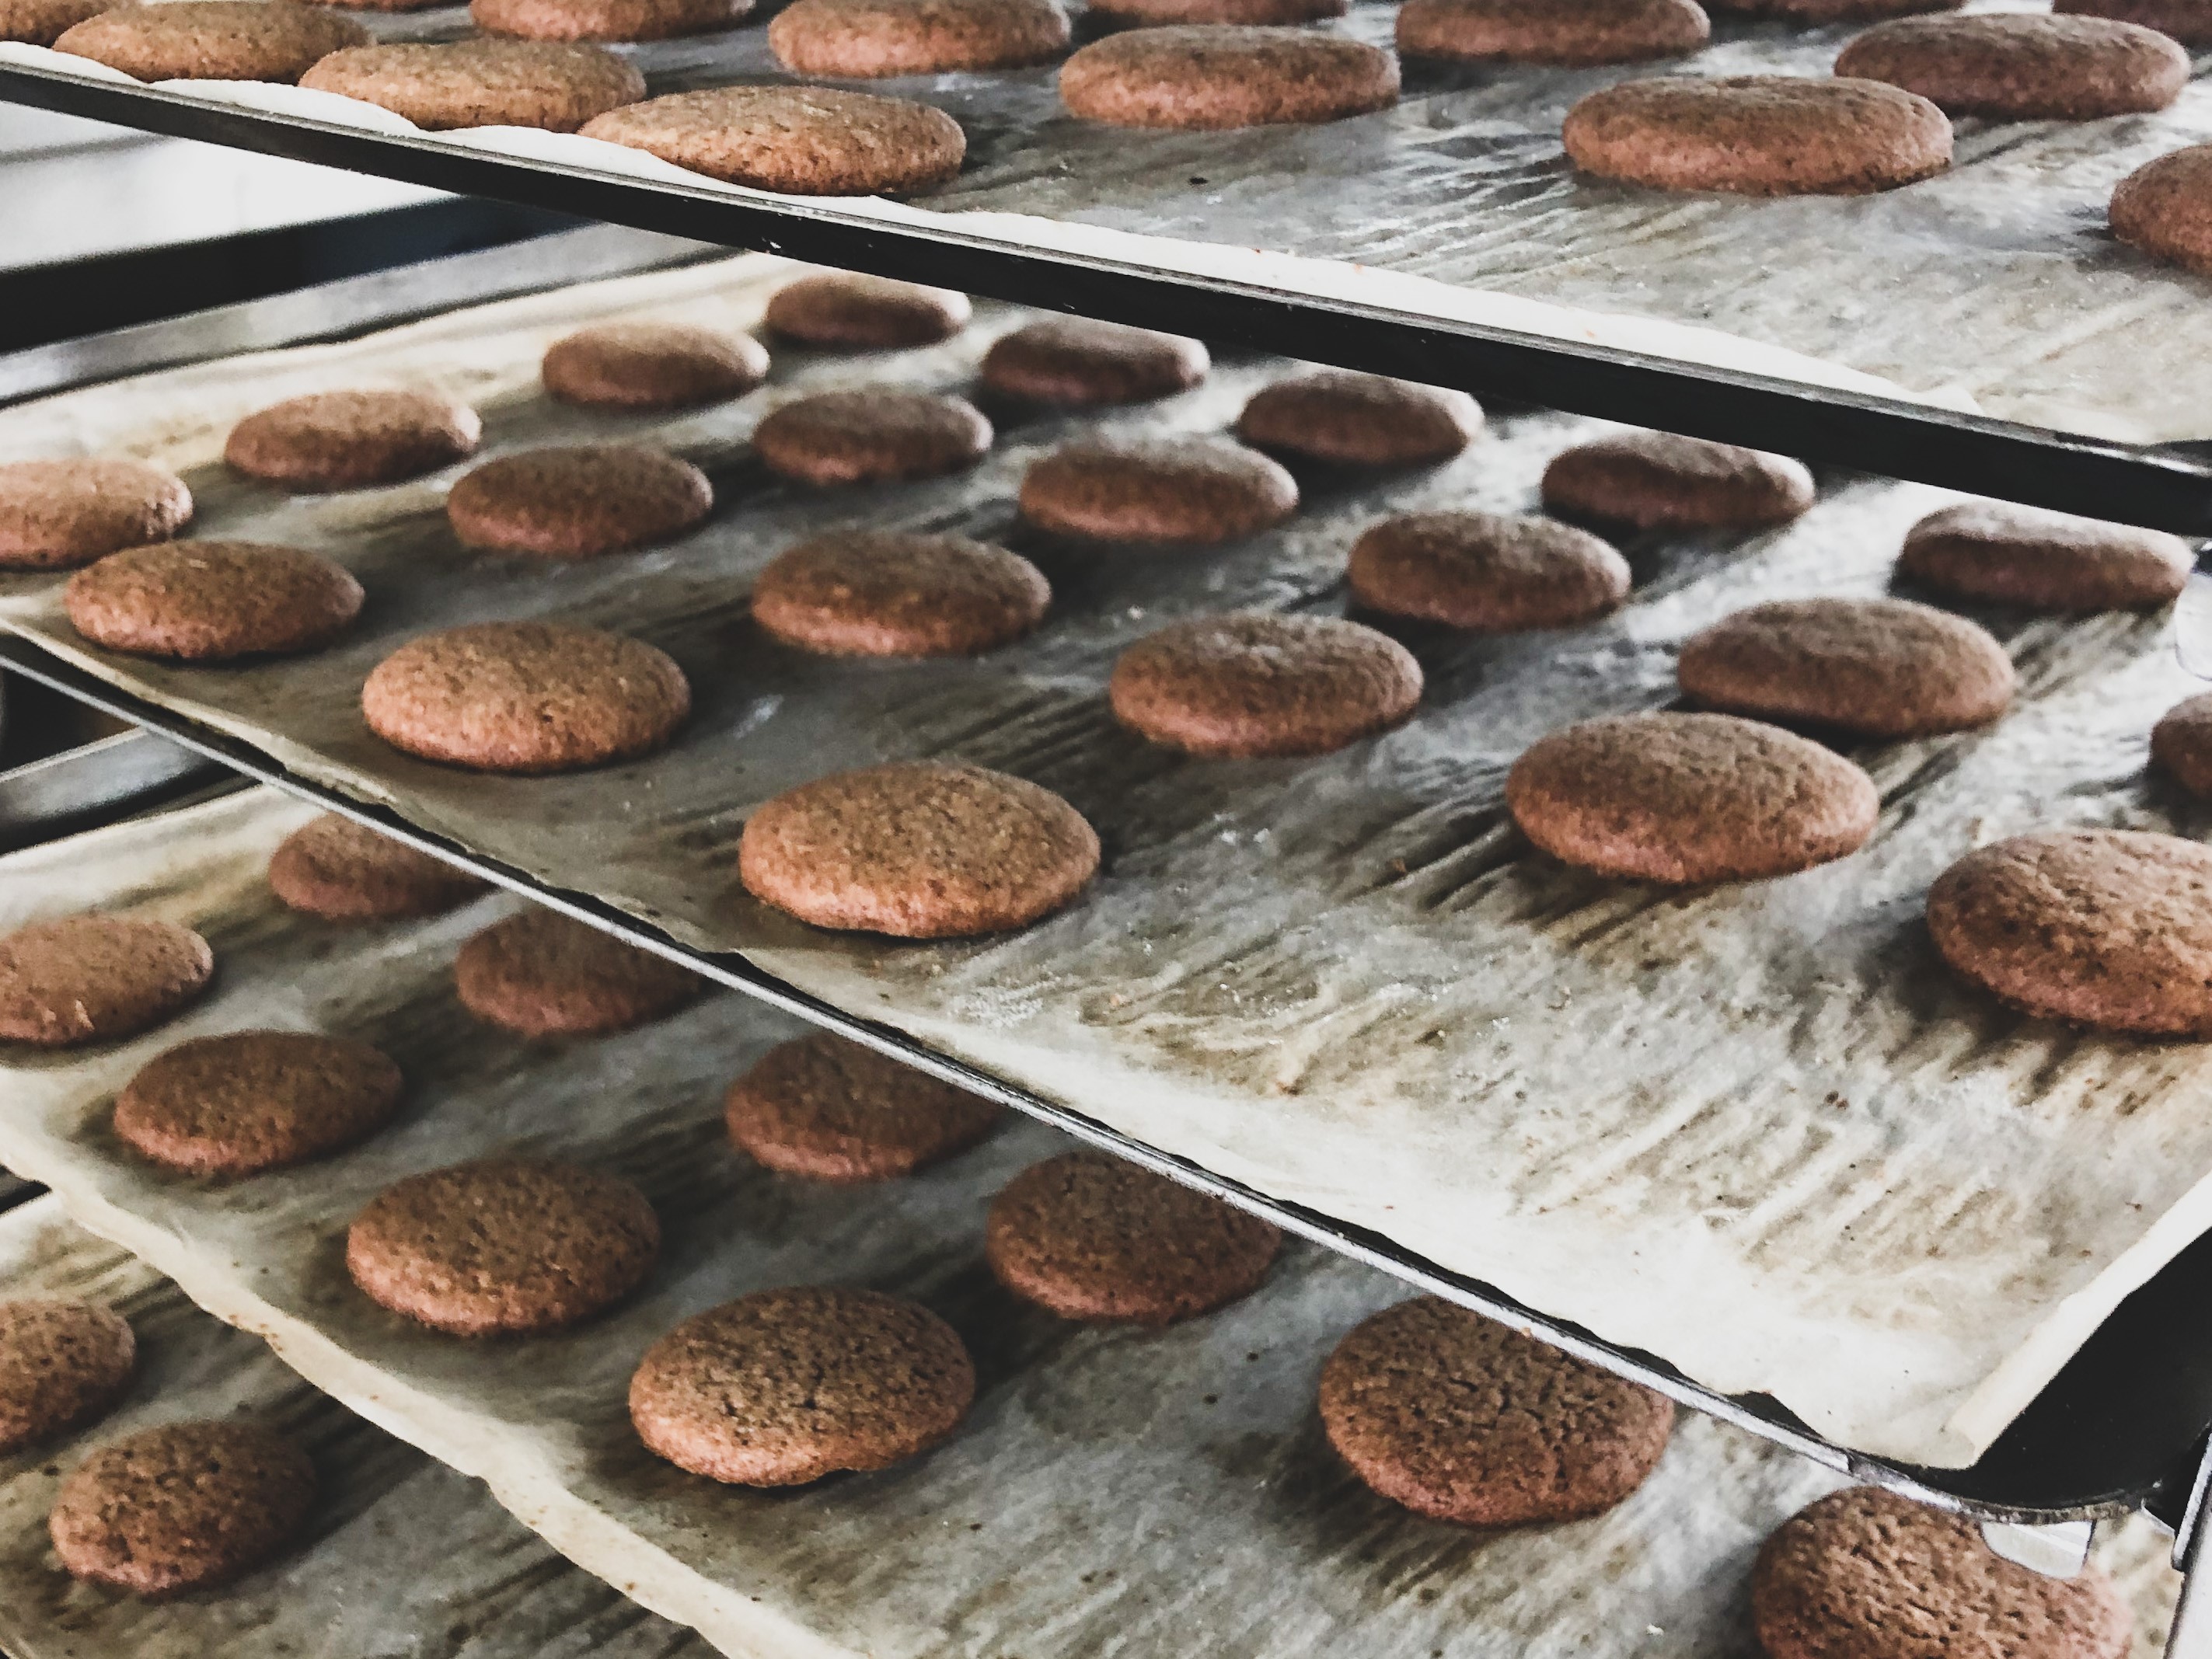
(1257, 684)
(544, 975)
(577, 500)
(847, 311)
(2106, 928)
(2181, 743)
(249, 1100)
(503, 1247)
(1092, 1238)
(1817, 12)
(2160, 207)
(865, 39)
(891, 593)
(213, 601)
(1550, 32)
(526, 698)
(341, 871)
(2189, 22)
(1154, 14)
(918, 849)
(1346, 419)
(651, 366)
(1867, 1574)
(350, 440)
(212, 39)
(877, 435)
(62, 1364)
(1758, 134)
(784, 1387)
(1876, 668)
(184, 1507)
(605, 20)
(2042, 560)
(1078, 363)
(483, 83)
(1208, 77)
(41, 22)
(2018, 66)
(1689, 798)
(1662, 480)
(94, 979)
(54, 514)
(1188, 491)
(1462, 1419)
(1489, 573)
(831, 1111)
(802, 141)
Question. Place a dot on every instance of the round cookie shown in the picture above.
(891, 593)
(1867, 1574)
(54, 514)
(2041, 560)
(651, 366)
(2160, 207)
(1552, 31)
(877, 435)
(544, 975)
(605, 20)
(1336, 415)
(1462, 1419)
(1154, 14)
(1490, 573)
(62, 1364)
(341, 871)
(212, 39)
(94, 979)
(526, 698)
(918, 849)
(2181, 743)
(250, 1101)
(831, 1111)
(504, 1247)
(865, 39)
(41, 22)
(577, 500)
(802, 141)
(2019, 66)
(213, 601)
(1209, 77)
(1813, 13)
(185, 1507)
(1188, 491)
(1689, 798)
(548, 84)
(349, 439)
(784, 1387)
(1662, 480)
(2189, 22)
(1758, 134)
(1877, 668)
(1257, 684)
(848, 311)
(1078, 363)
(1092, 1238)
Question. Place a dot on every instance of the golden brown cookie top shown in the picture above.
(848, 310)
(54, 514)
(544, 975)
(891, 594)
(1544, 31)
(1661, 480)
(828, 1108)
(210, 601)
(1078, 363)
(873, 434)
(868, 38)
(2017, 66)
(213, 40)
(349, 439)
(553, 85)
(1359, 420)
(341, 871)
(96, 979)
(577, 500)
(248, 1100)
(802, 141)
(2043, 561)
(1214, 75)
(61, 1363)
(1491, 573)
(1187, 492)
(648, 365)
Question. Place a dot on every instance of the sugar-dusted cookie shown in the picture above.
(349, 439)
(651, 366)
(865, 39)
(212, 39)
(213, 601)
(605, 20)
(249, 1100)
(544, 975)
(2023, 66)
(63, 1364)
(1359, 420)
(577, 500)
(802, 141)
(341, 871)
(847, 311)
(1490, 573)
(1211, 76)
(551, 84)
(96, 979)
(54, 514)
(1188, 491)
(828, 1109)
(2041, 560)
(894, 593)
(1077, 362)
(1552, 31)
(874, 435)
(1661, 480)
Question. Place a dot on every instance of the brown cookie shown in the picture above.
(1878, 668)
(212, 39)
(349, 439)
(889, 593)
(1188, 491)
(831, 1111)
(2107, 928)
(1491, 573)
(94, 979)
(918, 849)
(1867, 1574)
(1689, 798)
(213, 601)
(2018, 66)
(1462, 1419)
(877, 435)
(2040, 561)
(1256, 684)
(483, 83)
(846, 311)
(62, 1364)
(249, 1100)
(577, 500)
(543, 974)
(1208, 76)
(54, 514)
(784, 1387)
(41, 22)
(2181, 743)
(182, 1508)
(504, 1247)
(1092, 1238)
(2165, 208)
(651, 366)
(865, 39)
(342, 871)
(1359, 420)
(802, 141)
(605, 20)
(1078, 363)
(2189, 22)
(1552, 31)
(526, 698)
(1815, 12)
(1662, 480)
(1758, 134)
(1153, 14)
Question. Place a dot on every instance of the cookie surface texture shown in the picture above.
(577, 502)
(552, 85)
(1077, 363)
(876, 435)
(1489, 573)
(41, 22)
(96, 979)
(847, 311)
(2014, 66)
(828, 1109)
(863, 39)
(1203, 76)
(802, 141)
(55, 514)
(2041, 560)
(891, 594)
(199, 601)
(1552, 31)
(62, 1364)
(341, 871)
(2160, 207)
(1334, 415)
(605, 20)
(651, 366)
(351, 439)
(544, 975)
(249, 1100)
(213, 40)
(2181, 743)
(1660, 480)
(1190, 492)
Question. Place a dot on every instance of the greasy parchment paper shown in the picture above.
(1757, 1131)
